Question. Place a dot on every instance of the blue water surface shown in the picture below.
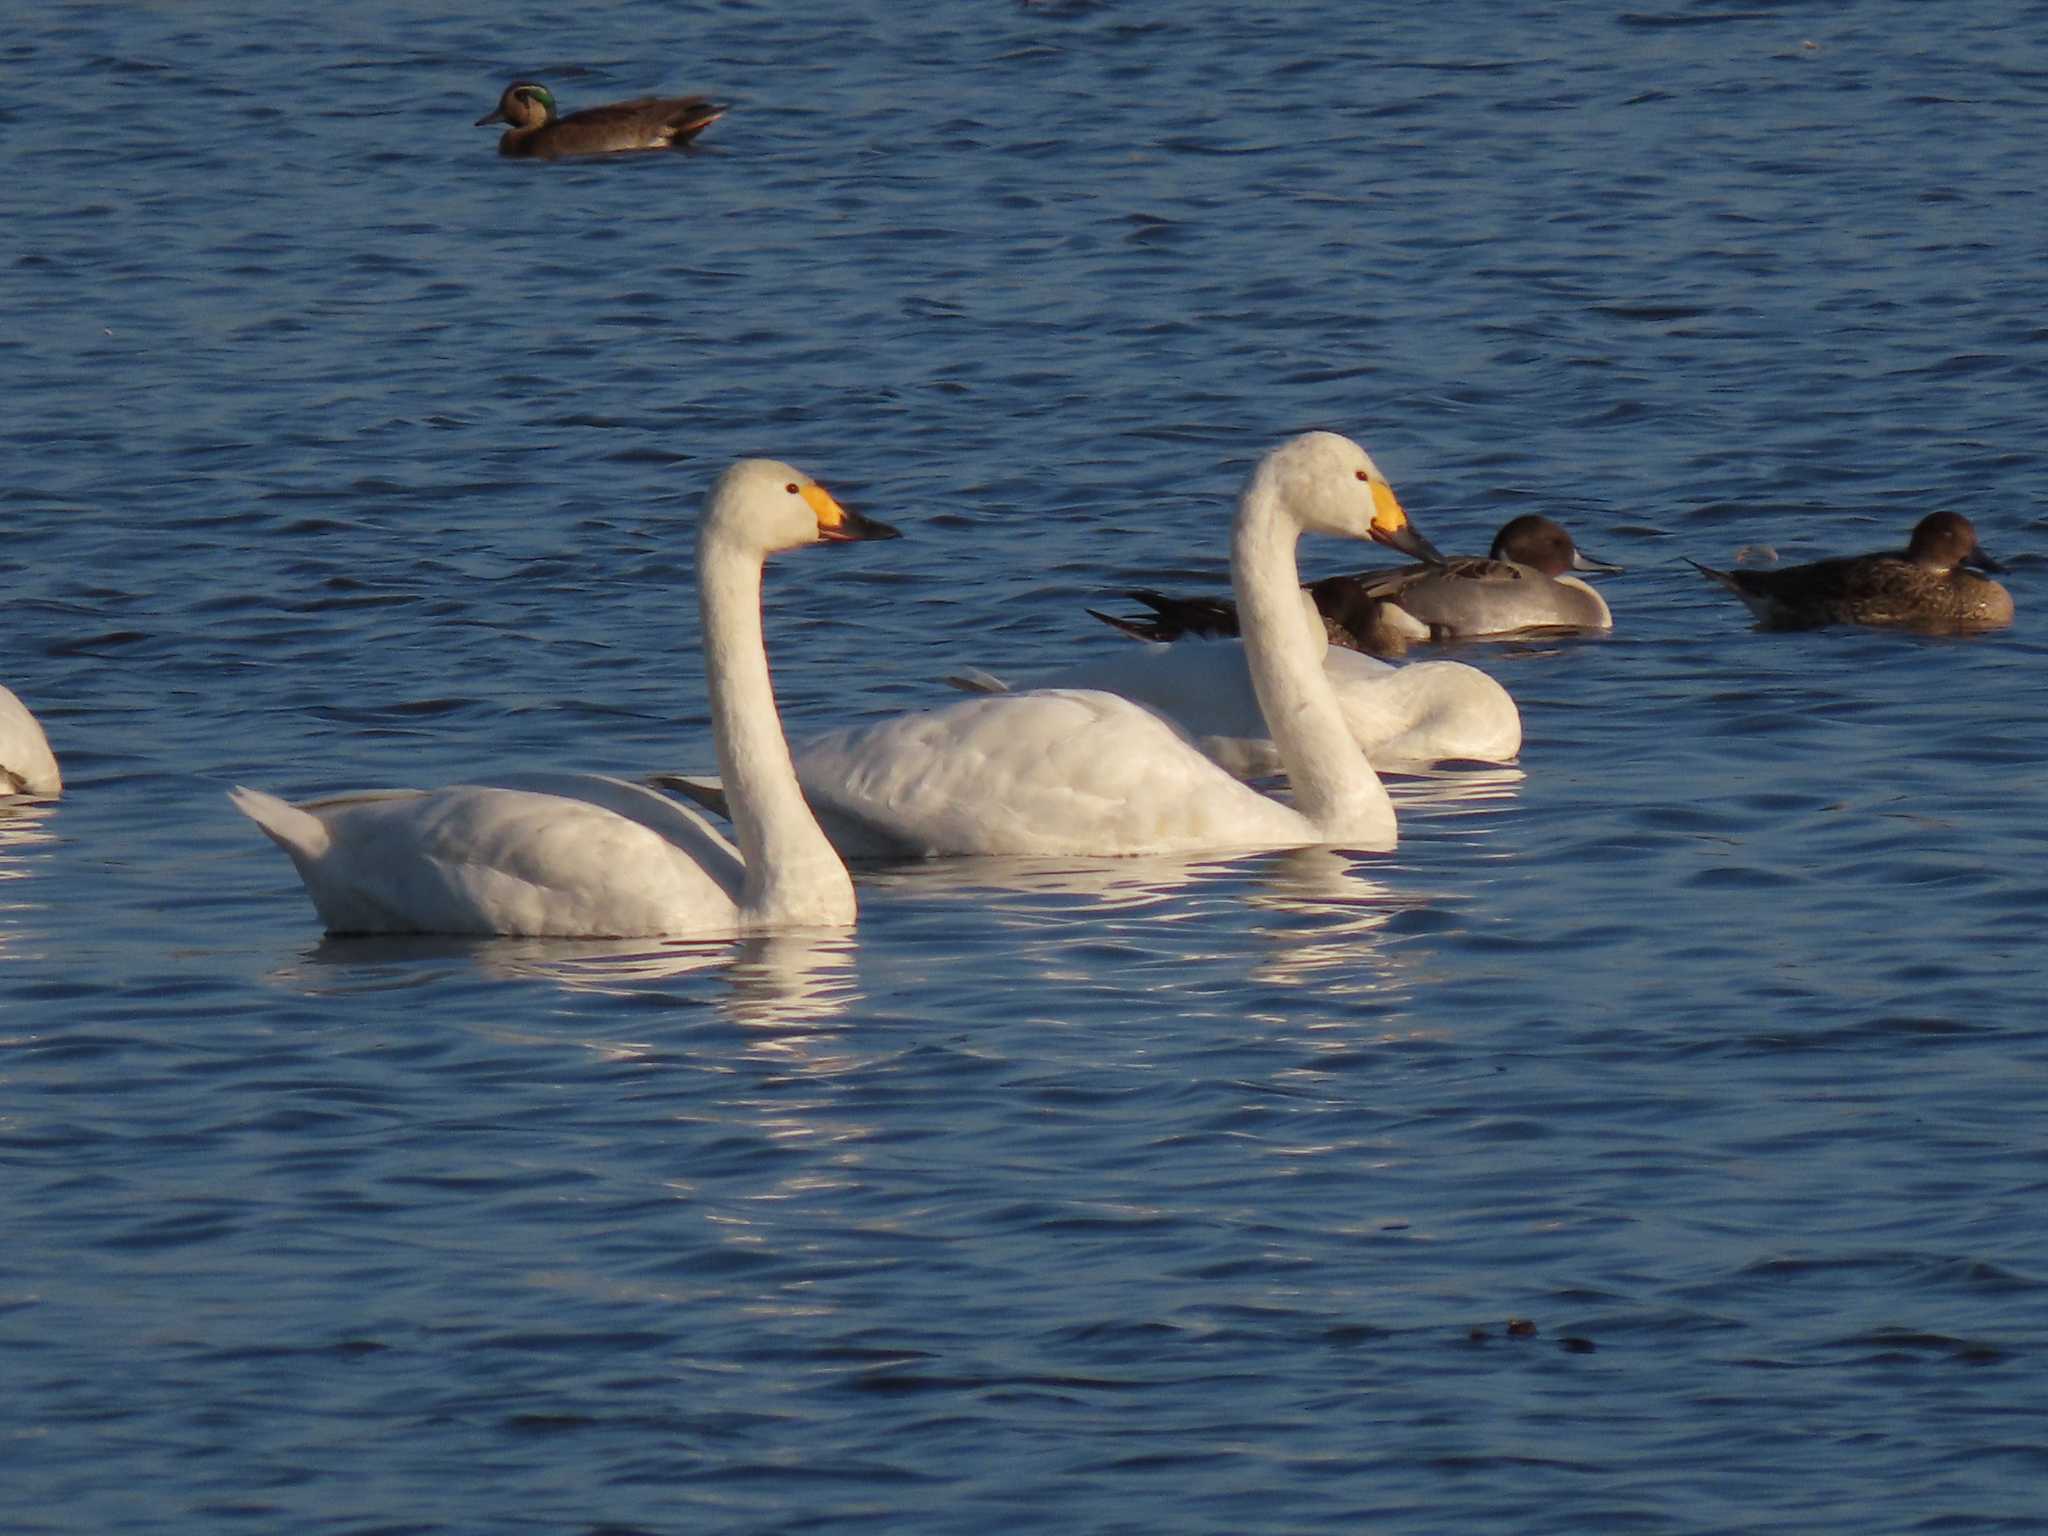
(1652, 1143)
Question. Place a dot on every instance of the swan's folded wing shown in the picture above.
(684, 826)
(535, 854)
(1424, 712)
(1204, 687)
(1056, 771)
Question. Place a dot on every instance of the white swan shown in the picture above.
(27, 766)
(1419, 713)
(1078, 771)
(579, 855)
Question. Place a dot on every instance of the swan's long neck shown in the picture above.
(1334, 786)
(792, 873)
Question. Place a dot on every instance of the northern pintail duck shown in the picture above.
(27, 766)
(1925, 587)
(1523, 583)
(534, 130)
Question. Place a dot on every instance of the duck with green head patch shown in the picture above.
(536, 130)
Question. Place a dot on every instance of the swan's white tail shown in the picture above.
(299, 833)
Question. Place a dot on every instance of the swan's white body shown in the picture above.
(579, 855)
(1422, 712)
(561, 855)
(1074, 771)
(1060, 771)
(27, 766)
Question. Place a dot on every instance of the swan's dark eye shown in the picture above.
(791, 488)
(1362, 474)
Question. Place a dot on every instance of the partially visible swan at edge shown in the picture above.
(581, 855)
(1071, 771)
(27, 766)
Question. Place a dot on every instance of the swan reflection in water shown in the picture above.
(1152, 924)
(793, 978)
(23, 827)
(1286, 917)
(1051, 916)
(1467, 789)
(25, 842)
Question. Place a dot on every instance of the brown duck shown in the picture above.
(1926, 587)
(535, 131)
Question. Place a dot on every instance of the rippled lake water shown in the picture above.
(1652, 1143)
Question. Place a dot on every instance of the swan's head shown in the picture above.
(769, 506)
(1328, 484)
